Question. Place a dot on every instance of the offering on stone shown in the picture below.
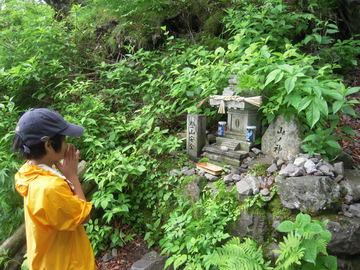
(209, 167)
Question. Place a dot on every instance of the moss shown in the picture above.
(278, 211)
(259, 169)
(213, 25)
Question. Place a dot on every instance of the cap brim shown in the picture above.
(73, 130)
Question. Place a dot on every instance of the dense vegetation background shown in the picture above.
(130, 71)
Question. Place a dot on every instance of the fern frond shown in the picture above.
(236, 255)
(290, 252)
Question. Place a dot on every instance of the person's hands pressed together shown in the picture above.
(70, 163)
(68, 167)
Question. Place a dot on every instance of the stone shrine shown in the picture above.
(241, 113)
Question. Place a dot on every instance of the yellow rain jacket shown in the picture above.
(55, 236)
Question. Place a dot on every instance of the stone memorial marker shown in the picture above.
(195, 135)
(282, 138)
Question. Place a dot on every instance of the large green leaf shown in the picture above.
(272, 75)
(310, 251)
(312, 114)
(290, 84)
(286, 226)
(323, 107)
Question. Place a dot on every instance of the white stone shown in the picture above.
(310, 166)
(300, 161)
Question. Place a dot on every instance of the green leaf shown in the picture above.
(312, 228)
(330, 262)
(323, 107)
(349, 110)
(271, 76)
(352, 90)
(310, 253)
(333, 144)
(290, 84)
(312, 114)
(348, 130)
(337, 105)
(332, 93)
(180, 261)
(286, 226)
(303, 218)
(305, 102)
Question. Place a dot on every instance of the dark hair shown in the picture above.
(37, 150)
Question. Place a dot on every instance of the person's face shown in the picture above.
(56, 156)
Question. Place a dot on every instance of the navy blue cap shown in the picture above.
(37, 125)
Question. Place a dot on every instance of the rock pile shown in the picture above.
(304, 165)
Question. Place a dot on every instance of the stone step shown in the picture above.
(215, 149)
(234, 144)
(230, 143)
(222, 159)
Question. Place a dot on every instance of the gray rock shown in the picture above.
(298, 172)
(211, 178)
(249, 185)
(280, 162)
(189, 172)
(265, 192)
(243, 188)
(252, 155)
(237, 170)
(271, 253)
(282, 139)
(114, 252)
(315, 160)
(192, 190)
(355, 209)
(228, 179)
(351, 185)
(309, 194)
(256, 150)
(326, 170)
(251, 225)
(300, 161)
(107, 257)
(348, 214)
(310, 167)
(339, 178)
(290, 169)
(150, 261)
(345, 236)
(236, 177)
(339, 168)
(331, 167)
(273, 168)
(174, 172)
(201, 173)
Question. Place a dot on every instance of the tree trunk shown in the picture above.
(62, 7)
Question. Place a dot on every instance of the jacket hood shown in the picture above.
(27, 174)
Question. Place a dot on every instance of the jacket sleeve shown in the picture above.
(55, 207)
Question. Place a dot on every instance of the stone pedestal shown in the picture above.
(195, 135)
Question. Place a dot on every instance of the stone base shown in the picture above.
(214, 153)
(234, 144)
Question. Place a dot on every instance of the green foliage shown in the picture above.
(305, 245)
(238, 255)
(192, 231)
(11, 213)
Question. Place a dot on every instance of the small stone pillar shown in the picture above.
(195, 135)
